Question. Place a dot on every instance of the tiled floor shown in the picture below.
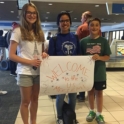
(113, 105)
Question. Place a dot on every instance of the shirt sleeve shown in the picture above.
(16, 35)
(51, 47)
(81, 47)
(107, 50)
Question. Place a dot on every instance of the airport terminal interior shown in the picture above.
(113, 104)
(112, 29)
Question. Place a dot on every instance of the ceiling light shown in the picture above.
(48, 12)
(75, 18)
(116, 14)
(1, 2)
(46, 17)
(50, 4)
(68, 11)
(96, 5)
(63, 11)
(12, 11)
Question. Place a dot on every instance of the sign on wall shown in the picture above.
(66, 74)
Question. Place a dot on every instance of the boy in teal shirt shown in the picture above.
(99, 48)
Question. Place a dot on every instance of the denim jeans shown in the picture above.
(82, 94)
(60, 101)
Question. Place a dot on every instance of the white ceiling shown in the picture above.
(78, 1)
(78, 6)
(83, 1)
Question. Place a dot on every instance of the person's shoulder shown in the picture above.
(103, 39)
(17, 29)
(85, 39)
(79, 27)
(84, 25)
(72, 34)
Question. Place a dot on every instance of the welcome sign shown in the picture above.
(66, 74)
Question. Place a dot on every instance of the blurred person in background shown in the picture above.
(83, 31)
(12, 64)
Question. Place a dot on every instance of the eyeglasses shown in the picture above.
(31, 13)
(63, 21)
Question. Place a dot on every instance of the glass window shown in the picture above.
(113, 35)
(121, 34)
(107, 35)
(117, 35)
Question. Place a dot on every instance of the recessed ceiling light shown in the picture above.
(75, 18)
(63, 11)
(68, 11)
(50, 4)
(96, 5)
(48, 12)
(1, 2)
(12, 11)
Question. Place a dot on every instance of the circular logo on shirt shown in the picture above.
(68, 48)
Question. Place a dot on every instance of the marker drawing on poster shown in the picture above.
(66, 74)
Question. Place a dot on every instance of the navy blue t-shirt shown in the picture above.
(65, 44)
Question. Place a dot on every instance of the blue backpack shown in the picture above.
(3, 42)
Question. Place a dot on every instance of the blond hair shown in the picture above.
(24, 26)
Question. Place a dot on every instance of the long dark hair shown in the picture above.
(58, 19)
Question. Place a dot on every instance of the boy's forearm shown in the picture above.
(104, 58)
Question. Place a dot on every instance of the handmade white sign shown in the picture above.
(66, 74)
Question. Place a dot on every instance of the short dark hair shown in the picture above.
(94, 19)
(1, 32)
(61, 14)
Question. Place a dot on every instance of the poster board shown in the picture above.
(66, 74)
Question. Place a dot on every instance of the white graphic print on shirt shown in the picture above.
(68, 48)
(93, 48)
